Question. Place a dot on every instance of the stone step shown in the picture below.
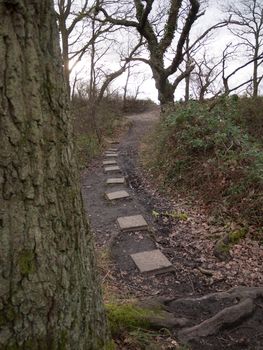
(152, 262)
(114, 142)
(112, 150)
(111, 154)
(109, 162)
(132, 223)
(115, 181)
(117, 195)
(112, 168)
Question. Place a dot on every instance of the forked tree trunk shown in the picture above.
(165, 91)
(49, 294)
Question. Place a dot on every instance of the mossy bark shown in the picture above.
(49, 293)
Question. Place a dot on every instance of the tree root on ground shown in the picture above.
(228, 316)
(208, 314)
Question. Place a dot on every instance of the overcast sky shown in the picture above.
(217, 44)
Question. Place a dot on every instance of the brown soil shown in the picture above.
(189, 244)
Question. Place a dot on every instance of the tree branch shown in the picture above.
(170, 26)
(192, 15)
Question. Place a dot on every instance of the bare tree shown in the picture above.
(193, 58)
(157, 23)
(205, 76)
(100, 79)
(138, 86)
(138, 79)
(228, 53)
(74, 20)
(125, 88)
(247, 26)
(158, 40)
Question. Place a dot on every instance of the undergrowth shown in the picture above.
(131, 327)
(211, 151)
(108, 121)
(126, 317)
(90, 134)
(88, 147)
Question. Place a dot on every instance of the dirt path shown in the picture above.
(185, 242)
(103, 217)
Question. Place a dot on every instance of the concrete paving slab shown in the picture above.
(112, 168)
(115, 181)
(132, 223)
(109, 162)
(117, 195)
(111, 154)
(152, 262)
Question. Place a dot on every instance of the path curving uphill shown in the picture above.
(154, 258)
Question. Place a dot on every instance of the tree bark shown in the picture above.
(125, 89)
(188, 64)
(49, 293)
(255, 69)
(65, 55)
(164, 87)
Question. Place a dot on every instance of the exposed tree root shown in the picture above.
(233, 295)
(162, 317)
(220, 310)
(228, 316)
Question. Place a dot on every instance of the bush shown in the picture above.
(250, 116)
(209, 151)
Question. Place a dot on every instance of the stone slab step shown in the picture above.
(117, 195)
(115, 181)
(152, 262)
(132, 223)
(112, 168)
(111, 154)
(112, 150)
(109, 162)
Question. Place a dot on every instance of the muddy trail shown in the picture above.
(183, 234)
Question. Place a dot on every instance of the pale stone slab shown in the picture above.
(132, 223)
(112, 150)
(152, 262)
(117, 195)
(115, 181)
(109, 162)
(111, 154)
(112, 168)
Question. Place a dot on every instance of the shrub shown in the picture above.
(210, 152)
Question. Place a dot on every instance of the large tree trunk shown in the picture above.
(49, 294)
(165, 90)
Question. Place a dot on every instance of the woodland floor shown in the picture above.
(188, 244)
